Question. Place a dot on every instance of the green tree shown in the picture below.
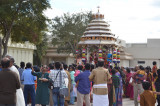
(22, 20)
(68, 29)
(41, 50)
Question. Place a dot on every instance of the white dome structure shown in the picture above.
(98, 33)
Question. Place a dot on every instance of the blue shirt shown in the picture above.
(84, 83)
(20, 73)
(28, 77)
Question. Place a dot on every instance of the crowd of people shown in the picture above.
(61, 85)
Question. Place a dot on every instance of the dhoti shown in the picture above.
(20, 98)
(100, 100)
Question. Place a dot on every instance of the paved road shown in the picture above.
(126, 102)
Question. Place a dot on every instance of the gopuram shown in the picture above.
(98, 43)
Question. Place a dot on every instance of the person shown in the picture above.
(157, 84)
(42, 92)
(154, 68)
(51, 66)
(83, 89)
(19, 92)
(137, 86)
(67, 99)
(140, 73)
(129, 86)
(9, 83)
(147, 97)
(100, 76)
(120, 89)
(60, 79)
(21, 69)
(29, 84)
(116, 83)
(0, 67)
(80, 67)
(73, 92)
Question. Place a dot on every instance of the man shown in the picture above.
(58, 80)
(22, 64)
(29, 84)
(137, 84)
(67, 99)
(100, 76)
(19, 92)
(9, 83)
(84, 85)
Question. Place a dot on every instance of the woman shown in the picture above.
(73, 92)
(150, 78)
(129, 86)
(119, 100)
(42, 93)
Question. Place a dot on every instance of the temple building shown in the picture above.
(98, 36)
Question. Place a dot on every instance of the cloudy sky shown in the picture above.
(131, 20)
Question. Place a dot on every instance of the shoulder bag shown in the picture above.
(51, 83)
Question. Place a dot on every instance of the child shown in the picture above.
(147, 97)
(116, 83)
(140, 73)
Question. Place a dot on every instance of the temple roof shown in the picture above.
(98, 32)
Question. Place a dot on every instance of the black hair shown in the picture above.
(141, 67)
(113, 71)
(100, 63)
(116, 68)
(128, 70)
(22, 64)
(71, 66)
(148, 68)
(92, 67)
(65, 66)
(87, 66)
(80, 67)
(57, 65)
(36, 68)
(51, 65)
(5, 63)
(74, 65)
(12, 60)
(146, 85)
(28, 65)
(154, 63)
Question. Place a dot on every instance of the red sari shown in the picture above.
(129, 86)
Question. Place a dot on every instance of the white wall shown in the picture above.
(19, 54)
(124, 63)
(147, 52)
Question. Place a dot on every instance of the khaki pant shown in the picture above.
(138, 89)
(81, 97)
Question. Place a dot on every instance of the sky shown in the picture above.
(131, 20)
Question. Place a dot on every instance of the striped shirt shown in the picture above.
(57, 81)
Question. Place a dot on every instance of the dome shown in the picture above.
(98, 32)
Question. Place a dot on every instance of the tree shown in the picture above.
(41, 50)
(22, 20)
(68, 29)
